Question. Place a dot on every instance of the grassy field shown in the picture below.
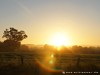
(28, 63)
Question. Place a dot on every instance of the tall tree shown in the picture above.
(13, 38)
(14, 34)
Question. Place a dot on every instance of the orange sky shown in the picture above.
(78, 20)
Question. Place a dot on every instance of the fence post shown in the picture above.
(22, 60)
(78, 62)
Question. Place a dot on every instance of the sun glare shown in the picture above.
(60, 39)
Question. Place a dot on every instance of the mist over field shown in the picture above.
(47, 59)
(49, 37)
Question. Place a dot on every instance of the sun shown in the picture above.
(60, 39)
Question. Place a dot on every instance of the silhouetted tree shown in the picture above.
(0, 43)
(13, 38)
(14, 34)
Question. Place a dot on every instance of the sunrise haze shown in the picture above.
(78, 21)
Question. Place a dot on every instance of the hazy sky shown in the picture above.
(40, 19)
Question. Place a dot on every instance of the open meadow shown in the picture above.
(48, 63)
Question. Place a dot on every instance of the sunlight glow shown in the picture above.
(51, 62)
(60, 39)
(52, 55)
(52, 59)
